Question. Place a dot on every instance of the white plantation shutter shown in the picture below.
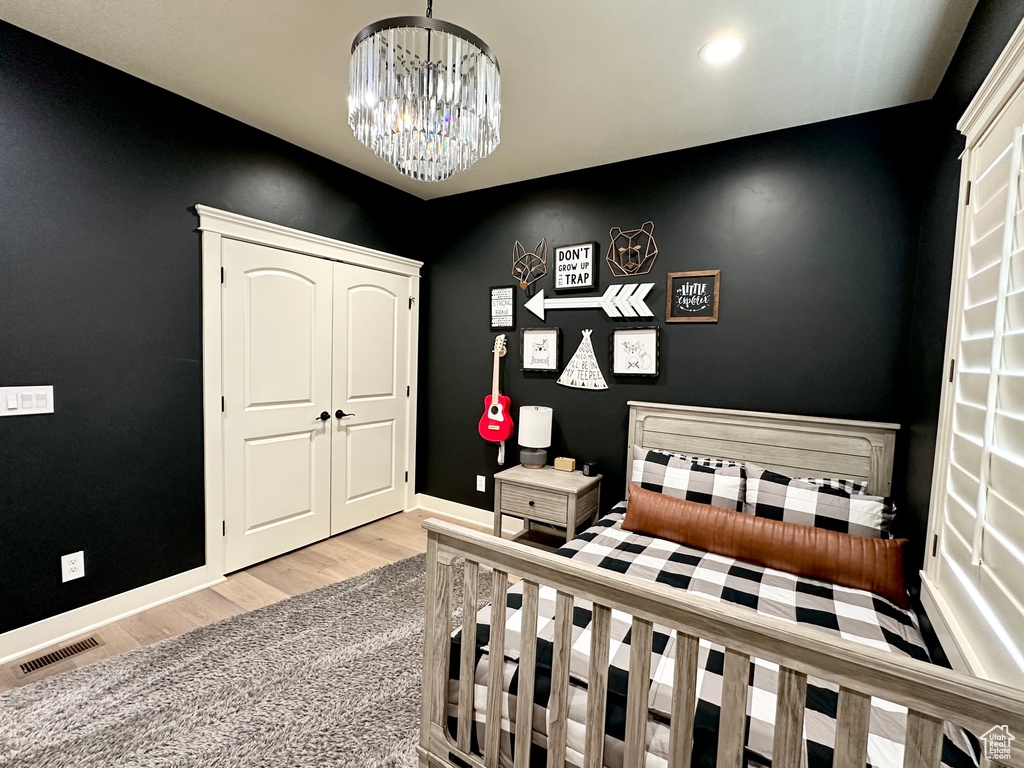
(977, 566)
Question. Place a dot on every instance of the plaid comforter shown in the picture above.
(849, 613)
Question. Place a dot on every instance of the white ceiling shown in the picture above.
(584, 82)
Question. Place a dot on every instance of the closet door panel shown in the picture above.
(371, 458)
(371, 376)
(372, 319)
(277, 326)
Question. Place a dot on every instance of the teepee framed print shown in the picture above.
(692, 297)
(582, 371)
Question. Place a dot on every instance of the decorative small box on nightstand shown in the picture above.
(545, 497)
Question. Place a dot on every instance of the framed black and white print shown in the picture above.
(541, 349)
(503, 307)
(692, 297)
(634, 351)
(574, 267)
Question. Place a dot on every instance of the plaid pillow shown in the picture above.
(704, 461)
(675, 476)
(778, 497)
(838, 483)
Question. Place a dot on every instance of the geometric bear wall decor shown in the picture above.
(529, 267)
(632, 251)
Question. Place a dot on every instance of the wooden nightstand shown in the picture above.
(545, 497)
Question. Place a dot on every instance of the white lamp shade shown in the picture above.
(535, 426)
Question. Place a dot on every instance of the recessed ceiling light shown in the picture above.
(722, 50)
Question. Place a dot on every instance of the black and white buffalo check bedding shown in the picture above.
(838, 484)
(705, 481)
(777, 497)
(849, 613)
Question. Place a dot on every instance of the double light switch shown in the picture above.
(26, 401)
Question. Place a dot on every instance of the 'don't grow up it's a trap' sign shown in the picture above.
(574, 267)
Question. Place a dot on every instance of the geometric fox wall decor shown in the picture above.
(529, 267)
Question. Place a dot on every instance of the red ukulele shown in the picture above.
(496, 423)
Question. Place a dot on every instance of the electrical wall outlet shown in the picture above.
(481, 483)
(72, 566)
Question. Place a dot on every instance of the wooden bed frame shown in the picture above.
(795, 445)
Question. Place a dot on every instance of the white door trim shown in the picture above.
(250, 230)
(217, 225)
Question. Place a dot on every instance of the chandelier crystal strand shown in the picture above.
(424, 95)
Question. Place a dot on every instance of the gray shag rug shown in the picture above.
(328, 678)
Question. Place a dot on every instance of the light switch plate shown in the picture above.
(26, 401)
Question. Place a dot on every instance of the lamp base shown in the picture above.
(533, 458)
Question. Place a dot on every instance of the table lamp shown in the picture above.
(534, 435)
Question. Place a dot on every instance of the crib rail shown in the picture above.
(931, 694)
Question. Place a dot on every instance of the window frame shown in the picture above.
(1001, 86)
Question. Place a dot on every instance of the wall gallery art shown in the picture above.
(583, 372)
(632, 251)
(529, 266)
(634, 351)
(574, 267)
(692, 297)
(540, 349)
(503, 307)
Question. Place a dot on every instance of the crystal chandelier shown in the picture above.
(424, 95)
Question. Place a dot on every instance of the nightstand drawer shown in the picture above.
(539, 505)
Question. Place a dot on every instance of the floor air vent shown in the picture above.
(34, 665)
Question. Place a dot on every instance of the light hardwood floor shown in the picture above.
(336, 559)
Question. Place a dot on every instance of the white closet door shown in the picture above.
(277, 327)
(371, 364)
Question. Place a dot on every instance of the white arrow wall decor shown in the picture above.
(618, 301)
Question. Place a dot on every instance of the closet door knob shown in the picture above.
(341, 414)
(324, 416)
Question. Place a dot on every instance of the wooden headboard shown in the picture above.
(798, 446)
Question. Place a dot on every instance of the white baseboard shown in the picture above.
(463, 513)
(33, 637)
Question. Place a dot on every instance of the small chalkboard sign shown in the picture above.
(692, 297)
(503, 307)
(574, 267)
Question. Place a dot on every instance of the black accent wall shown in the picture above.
(815, 230)
(100, 296)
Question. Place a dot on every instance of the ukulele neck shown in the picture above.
(494, 379)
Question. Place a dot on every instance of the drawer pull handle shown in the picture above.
(531, 503)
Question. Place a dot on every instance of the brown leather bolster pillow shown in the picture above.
(875, 565)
